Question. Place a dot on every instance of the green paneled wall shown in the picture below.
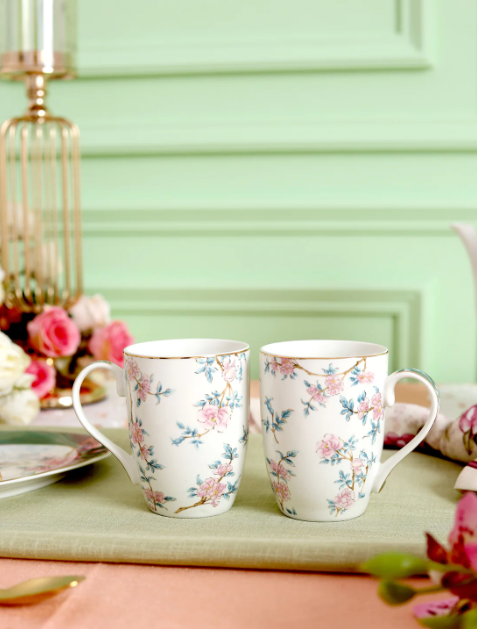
(264, 170)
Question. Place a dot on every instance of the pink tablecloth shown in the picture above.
(127, 596)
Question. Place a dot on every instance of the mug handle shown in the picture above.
(126, 460)
(386, 468)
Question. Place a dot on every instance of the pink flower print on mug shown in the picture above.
(334, 384)
(214, 417)
(329, 446)
(229, 370)
(344, 500)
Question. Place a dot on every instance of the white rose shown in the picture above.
(13, 362)
(90, 312)
(19, 407)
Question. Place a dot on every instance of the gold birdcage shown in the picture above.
(40, 220)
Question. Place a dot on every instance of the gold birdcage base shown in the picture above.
(91, 392)
(56, 65)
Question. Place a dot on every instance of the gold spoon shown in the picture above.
(36, 590)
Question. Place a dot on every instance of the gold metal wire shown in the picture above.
(40, 206)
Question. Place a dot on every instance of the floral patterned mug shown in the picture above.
(188, 411)
(322, 406)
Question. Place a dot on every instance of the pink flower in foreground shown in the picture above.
(334, 384)
(468, 420)
(53, 333)
(229, 370)
(433, 609)
(344, 500)
(363, 408)
(377, 406)
(214, 417)
(287, 366)
(45, 377)
(281, 491)
(316, 394)
(365, 377)
(279, 470)
(132, 369)
(154, 496)
(136, 433)
(144, 388)
(222, 470)
(109, 342)
(463, 536)
(328, 446)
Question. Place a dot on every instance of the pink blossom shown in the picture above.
(229, 370)
(279, 470)
(363, 408)
(53, 333)
(109, 342)
(328, 446)
(211, 490)
(434, 609)
(377, 406)
(154, 496)
(45, 377)
(468, 420)
(344, 500)
(144, 451)
(136, 433)
(365, 377)
(393, 439)
(287, 366)
(274, 365)
(316, 394)
(132, 369)
(357, 464)
(214, 417)
(334, 384)
(144, 388)
(281, 491)
(222, 470)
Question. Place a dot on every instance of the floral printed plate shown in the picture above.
(33, 459)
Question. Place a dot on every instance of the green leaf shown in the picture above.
(394, 593)
(442, 622)
(395, 566)
(469, 620)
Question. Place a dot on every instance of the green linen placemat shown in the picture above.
(96, 514)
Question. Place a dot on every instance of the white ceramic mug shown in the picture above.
(188, 413)
(322, 406)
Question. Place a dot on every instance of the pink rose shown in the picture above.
(365, 377)
(328, 446)
(132, 369)
(363, 408)
(287, 366)
(334, 384)
(279, 470)
(377, 406)
(468, 420)
(357, 464)
(229, 370)
(222, 470)
(344, 500)
(316, 394)
(109, 342)
(52, 333)
(136, 433)
(154, 496)
(214, 417)
(45, 377)
(144, 388)
(281, 491)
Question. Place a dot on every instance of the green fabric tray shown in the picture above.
(96, 514)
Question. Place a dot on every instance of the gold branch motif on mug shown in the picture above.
(216, 409)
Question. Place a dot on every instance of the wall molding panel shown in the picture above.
(402, 49)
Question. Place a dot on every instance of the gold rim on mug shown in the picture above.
(324, 357)
(215, 355)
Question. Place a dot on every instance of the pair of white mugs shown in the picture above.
(322, 407)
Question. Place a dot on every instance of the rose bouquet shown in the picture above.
(452, 569)
(57, 343)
